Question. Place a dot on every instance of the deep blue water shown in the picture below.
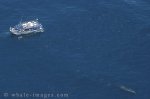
(89, 48)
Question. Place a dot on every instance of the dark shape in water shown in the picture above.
(28, 27)
(129, 90)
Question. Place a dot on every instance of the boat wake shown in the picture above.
(5, 34)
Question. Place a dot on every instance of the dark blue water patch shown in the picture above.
(89, 48)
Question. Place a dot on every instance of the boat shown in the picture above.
(27, 27)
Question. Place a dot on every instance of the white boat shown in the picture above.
(27, 27)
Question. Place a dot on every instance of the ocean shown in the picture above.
(89, 49)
